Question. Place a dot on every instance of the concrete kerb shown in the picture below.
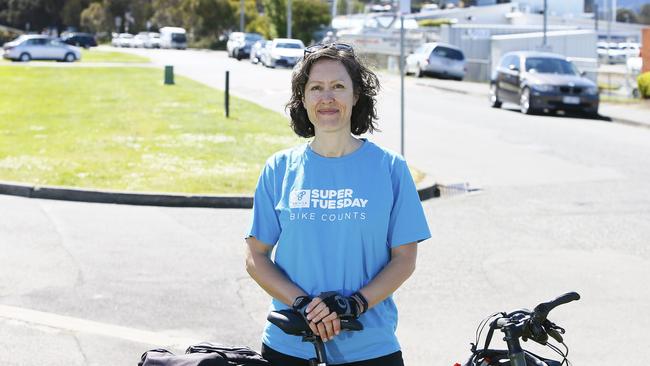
(427, 189)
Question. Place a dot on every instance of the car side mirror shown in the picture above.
(583, 73)
(513, 67)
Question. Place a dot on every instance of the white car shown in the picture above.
(140, 39)
(153, 41)
(611, 52)
(122, 40)
(38, 47)
(438, 59)
(284, 52)
(257, 50)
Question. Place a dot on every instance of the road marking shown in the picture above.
(72, 324)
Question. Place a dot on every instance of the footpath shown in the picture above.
(633, 113)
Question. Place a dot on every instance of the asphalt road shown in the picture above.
(564, 206)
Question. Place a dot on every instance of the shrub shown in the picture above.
(7, 36)
(434, 22)
(644, 84)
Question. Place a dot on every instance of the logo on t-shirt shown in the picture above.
(331, 199)
(299, 198)
(339, 205)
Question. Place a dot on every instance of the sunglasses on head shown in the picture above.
(335, 45)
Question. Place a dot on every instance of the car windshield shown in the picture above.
(289, 45)
(449, 53)
(253, 37)
(178, 37)
(543, 65)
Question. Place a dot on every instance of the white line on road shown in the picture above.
(72, 324)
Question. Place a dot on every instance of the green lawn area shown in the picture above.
(95, 55)
(122, 129)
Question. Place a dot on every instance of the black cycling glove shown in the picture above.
(300, 303)
(345, 307)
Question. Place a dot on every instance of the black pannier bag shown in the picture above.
(204, 354)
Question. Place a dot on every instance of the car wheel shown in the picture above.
(494, 97)
(524, 102)
(24, 57)
(69, 57)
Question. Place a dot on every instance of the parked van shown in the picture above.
(173, 37)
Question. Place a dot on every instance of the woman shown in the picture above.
(343, 214)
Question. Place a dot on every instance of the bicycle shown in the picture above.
(294, 323)
(521, 324)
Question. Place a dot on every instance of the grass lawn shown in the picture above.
(95, 55)
(122, 129)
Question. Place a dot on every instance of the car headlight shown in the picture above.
(592, 90)
(543, 88)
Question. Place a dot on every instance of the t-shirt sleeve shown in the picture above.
(265, 225)
(408, 223)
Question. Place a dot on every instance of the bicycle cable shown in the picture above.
(482, 325)
(557, 350)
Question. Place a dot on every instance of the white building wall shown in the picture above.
(555, 7)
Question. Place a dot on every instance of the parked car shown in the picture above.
(239, 44)
(611, 52)
(140, 39)
(539, 81)
(84, 40)
(256, 51)
(263, 53)
(122, 40)
(38, 47)
(153, 41)
(284, 52)
(437, 59)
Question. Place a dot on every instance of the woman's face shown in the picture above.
(329, 97)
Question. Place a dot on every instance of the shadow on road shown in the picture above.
(562, 114)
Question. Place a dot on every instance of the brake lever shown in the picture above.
(555, 334)
(554, 330)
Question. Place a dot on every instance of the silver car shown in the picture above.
(437, 59)
(38, 47)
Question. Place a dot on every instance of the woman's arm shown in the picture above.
(260, 267)
(400, 267)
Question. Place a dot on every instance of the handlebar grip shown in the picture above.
(541, 311)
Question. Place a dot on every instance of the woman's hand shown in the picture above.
(322, 321)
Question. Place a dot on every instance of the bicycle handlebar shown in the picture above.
(541, 311)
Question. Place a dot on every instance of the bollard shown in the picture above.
(169, 75)
(227, 94)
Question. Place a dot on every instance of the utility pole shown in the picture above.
(545, 23)
(288, 18)
(241, 15)
(401, 75)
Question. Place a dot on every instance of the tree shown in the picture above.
(94, 19)
(262, 25)
(168, 13)
(308, 16)
(644, 14)
(276, 10)
(626, 16)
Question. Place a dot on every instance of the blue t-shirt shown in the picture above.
(334, 222)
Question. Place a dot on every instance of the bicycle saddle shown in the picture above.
(293, 323)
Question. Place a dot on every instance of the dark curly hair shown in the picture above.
(365, 84)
